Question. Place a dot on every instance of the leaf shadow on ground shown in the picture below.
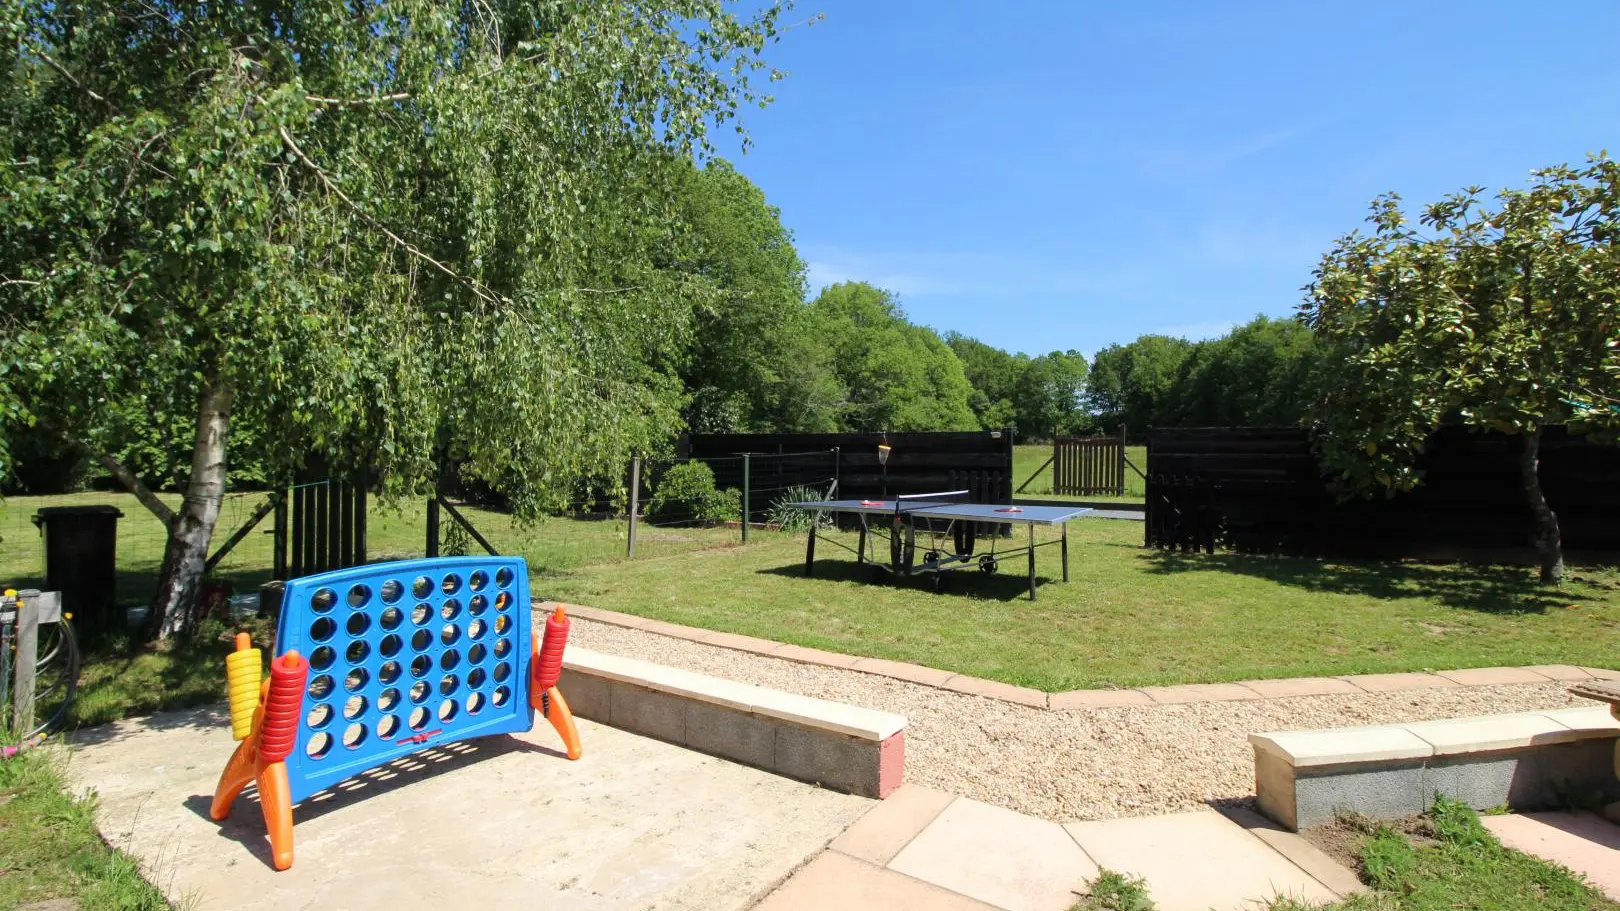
(1486, 589)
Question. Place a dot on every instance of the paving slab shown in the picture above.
(836, 882)
(1302, 686)
(501, 821)
(999, 857)
(995, 689)
(1388, 683)
(1199, 692)
(892, 824)
(1196, 861)
(1096, 699)
(1493, 676)
(1559, 671)
(1583, 842)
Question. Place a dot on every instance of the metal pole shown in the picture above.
(279, 538)
(431, 547)
(635, 503)
(838, 463)
(1032, 561)
(746, 485)
(22, 691)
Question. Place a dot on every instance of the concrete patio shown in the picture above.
(496, 822)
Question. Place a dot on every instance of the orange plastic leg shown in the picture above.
(563, 720)
(238, 772)
(274, 798)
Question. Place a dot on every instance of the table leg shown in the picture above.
(1065, 552)
(860, 549)
(1032, 562)
(810, 551)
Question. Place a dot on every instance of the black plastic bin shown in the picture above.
(81, 562)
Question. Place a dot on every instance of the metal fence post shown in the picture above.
(635, 503)
(746, 486)
(22, 690)
(838, 465)
(432, 544)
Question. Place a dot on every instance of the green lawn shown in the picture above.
(51, 847)
(550, 545)
(1028, 460)
(1129, 617)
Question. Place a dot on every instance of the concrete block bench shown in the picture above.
(1528, 761)
(838, 746)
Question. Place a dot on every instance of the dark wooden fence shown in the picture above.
(980, 462)
(1260, 490)
(1085, 466)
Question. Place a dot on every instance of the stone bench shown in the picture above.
(838, 746)
(1528, 761)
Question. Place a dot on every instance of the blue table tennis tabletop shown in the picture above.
(923, 509)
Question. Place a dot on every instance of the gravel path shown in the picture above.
(1089, 764)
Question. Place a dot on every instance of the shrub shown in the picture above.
(686, 493)
(790, 519)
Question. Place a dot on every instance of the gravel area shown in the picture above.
(1088, 764)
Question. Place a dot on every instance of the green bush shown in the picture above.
(787, 518)
(686, 493)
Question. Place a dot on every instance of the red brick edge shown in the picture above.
(1090, 699)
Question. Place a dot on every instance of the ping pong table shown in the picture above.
(948, 523)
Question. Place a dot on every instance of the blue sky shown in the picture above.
(1062, 175)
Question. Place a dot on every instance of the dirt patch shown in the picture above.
(1342, 839)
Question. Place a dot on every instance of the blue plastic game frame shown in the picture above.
(403, 656)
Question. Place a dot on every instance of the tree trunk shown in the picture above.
(174, 607)
(1549, 545)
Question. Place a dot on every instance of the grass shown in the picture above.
(1128, 617)
(1114, 891)
(1452, 861)
(51, 847)
(553, 544)
(1028, 459)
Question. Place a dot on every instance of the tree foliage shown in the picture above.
(896, 375)
(380, 233)
(755, 362)
(1034, 396)
(1261, 374)
(1131, 384)
(1502, 317)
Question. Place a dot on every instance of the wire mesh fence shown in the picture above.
(141, 540)
(683, 506)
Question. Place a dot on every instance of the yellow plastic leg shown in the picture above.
(563, 720)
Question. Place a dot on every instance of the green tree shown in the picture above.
(1503, 317)
(993, 374)
(899, 376)
(1262, 373)
(755, 362)
(1133, 384)
(376, 233)
(1050, 395)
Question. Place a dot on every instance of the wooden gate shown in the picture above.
(1086, 466)
(320, 526)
